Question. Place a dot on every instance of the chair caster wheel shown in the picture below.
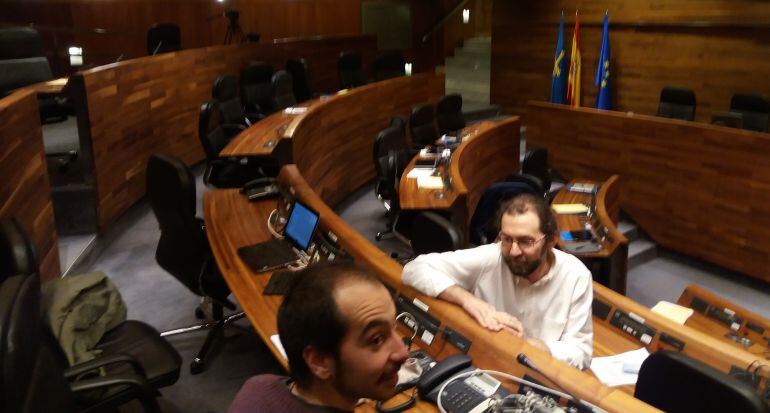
(196, 366)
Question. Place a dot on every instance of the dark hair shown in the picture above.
(524, 203)
(308, 315)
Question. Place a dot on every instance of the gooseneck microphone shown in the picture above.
(582, 406)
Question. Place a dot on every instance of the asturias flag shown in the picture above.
(604, 100)
(573, 82)
(558, 81)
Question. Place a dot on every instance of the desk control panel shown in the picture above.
(633, 325)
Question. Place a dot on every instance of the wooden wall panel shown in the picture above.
(24, 189)
(653, 45)
(698, 189)
(333, 143)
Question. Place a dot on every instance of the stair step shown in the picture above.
(641, 251)
(629, 230)
(478, 41)
(474, 112)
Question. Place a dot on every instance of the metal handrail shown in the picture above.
(444, 20)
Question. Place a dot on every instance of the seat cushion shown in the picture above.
(160, 360)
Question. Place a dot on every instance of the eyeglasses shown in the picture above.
(525, 244)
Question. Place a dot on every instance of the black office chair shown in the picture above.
(389, 65)
(391, 167)
(421, 126)
(256, 88)
(183, 249)
(755, 109)
(283, 93)
(432, 232)
(389, 139)
(677, 103)
(484, 226)
(17, 254)
(676, 383)
(300, 75)
(535, 163)
(163, 38)
(234, 118)
(534, 182)
(449, 114)
(350, 70)
(223, 172)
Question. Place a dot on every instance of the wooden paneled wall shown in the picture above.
(714, 47)
(699, 189)
(24, 190)
(151, 104)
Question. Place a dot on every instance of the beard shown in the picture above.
(524, 268)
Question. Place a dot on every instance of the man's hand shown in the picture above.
(483, 312)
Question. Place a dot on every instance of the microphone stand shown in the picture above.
(526, 362)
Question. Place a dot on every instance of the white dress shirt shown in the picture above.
(555, 309)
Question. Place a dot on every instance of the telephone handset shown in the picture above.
(260, 188)
(469, 394)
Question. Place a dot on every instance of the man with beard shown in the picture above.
(520, 283)
(338, 327)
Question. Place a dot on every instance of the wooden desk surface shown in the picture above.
(49, 87)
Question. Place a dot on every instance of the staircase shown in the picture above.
(468, 73)
(640, 248)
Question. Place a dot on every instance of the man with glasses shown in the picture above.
(520, 283)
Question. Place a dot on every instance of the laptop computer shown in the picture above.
(281, 252)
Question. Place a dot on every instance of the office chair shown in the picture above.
(534, 182)
(421, 126)
(389, 65)
(535, 163)
(222, 172)
(484, 226)
(183, 249)
(234, 118)
(283, 93)
(350, 70)
(163, 38)
(391, 167)
(677, 103)
(387, 140)
(256, 88)
(449, 114)
(17, 254)
(300, 75)
(755, 109)
(676, 383)
(432, 232)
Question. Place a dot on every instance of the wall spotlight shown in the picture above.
(466, 16)
(76, 55)
(408, 69)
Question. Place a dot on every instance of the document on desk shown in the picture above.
(430, 182)
(277, 343)
(673, 312)
(570, 208)
(295, 111)
(418, 172)
(621, 369)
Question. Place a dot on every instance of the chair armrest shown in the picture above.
(232, 129)
(254, 117)
(138, 384)
(103, 361)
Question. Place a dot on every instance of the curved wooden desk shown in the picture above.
(488, 153)
(233, 222)
(608, 265)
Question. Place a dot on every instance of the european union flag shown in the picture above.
(604, 100)
(559, 79)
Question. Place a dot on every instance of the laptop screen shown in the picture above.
(301, 225)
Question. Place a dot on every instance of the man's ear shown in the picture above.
(551, 243)
(321, 365)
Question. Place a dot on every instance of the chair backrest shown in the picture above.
(163, 38)
(676, 383)
(300, 74)
(283, 92)
(256, 87)
(677, 103)
(389, 65)
(17, 254)
(16, 73)
(20, 43)
(421, 126)
(535, 163)
(391, 166)
(210, 132)
(31, 378)
(225, 91)
(388, 140)
(449, 113)
(534, 182)
(432, 232)
(183, 249)
(350, 70)
(755, 109)
(484, 226)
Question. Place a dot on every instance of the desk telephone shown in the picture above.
(260, 188)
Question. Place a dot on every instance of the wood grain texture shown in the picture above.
(25, 192)
(232, 222)
(147, 105)
(333, 141)
(715, 62)
(698, 189)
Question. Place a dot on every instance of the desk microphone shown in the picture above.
(582, 406)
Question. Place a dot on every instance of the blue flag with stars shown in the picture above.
(604, 99)
(559, 78)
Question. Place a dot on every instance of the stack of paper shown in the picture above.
(673, 312)
(430, 182)
(570, 208)
(418, 172)
(621, 369)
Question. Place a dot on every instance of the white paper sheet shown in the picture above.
(673, 312)
(418, 172)
(277, 343)
(621, 369)
(430, 182)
